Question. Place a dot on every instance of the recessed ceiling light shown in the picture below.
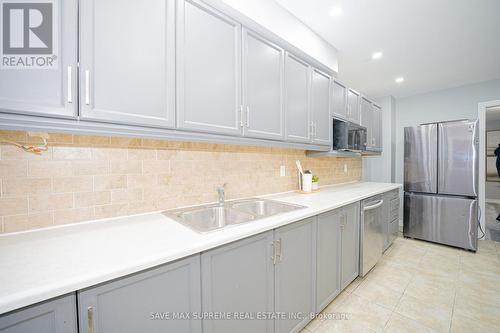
(336, 11)
(376, 55)
(400, 79)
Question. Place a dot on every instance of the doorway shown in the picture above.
(490, 171)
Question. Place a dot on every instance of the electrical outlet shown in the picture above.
(282, 171)
(345, 168)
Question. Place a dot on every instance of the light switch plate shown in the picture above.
(282, 171)
(345, 168)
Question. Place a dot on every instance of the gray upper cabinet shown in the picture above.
(262, 87)
(208, 69)
(349, 227)
(353, 113)
(127, 64)
(131, 304)
(328, 258)
(367, 121)
(54, 316)
(297, 83)
(295, 273)
(377, 128)
(320, 108)
(239, 277)
(339, 97)
(51, 90)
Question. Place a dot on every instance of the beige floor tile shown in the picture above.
(435, 316)
(398, 324)
(379, 294)
(392, 276)
(479, 309)
(462, 324)
(361, 312)
(432, 289)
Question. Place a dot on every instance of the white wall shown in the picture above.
(275, 18)
(456, 103)
(379, 168)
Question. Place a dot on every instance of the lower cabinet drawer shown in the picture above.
(394, 208)
(393, 230)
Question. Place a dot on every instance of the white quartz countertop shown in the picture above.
(41, 264)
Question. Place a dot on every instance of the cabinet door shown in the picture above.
(54, 316)
(239, 277)
(137, 303)
(262, 87)
(350, 244)
(127, 62)
(320, 108)
(353, 106)
(339, 100)
(328, 258)
(377, 128)
(295, 274)
(48, 90)
(297, 82)
(208, 69)
(367, 121)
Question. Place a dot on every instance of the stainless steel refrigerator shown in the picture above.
(440, 183)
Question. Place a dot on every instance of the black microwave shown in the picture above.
(348, 136)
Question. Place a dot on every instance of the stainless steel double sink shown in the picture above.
(216, 216)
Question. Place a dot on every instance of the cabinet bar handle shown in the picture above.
(248, 116)
(273, 247)
(87, 87)
(241, 116)
(70, 84)
(90, 319)
(279, 255)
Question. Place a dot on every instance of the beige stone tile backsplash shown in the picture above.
(81, 178)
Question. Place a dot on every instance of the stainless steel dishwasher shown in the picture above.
(371, 234)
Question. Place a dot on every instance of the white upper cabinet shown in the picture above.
(297, 84)
(262, 87)
(48, 85)
(127, 62)
(320, 108)
(339, 96)
(353, 106)
(208, 69)
(377, 128)
(367, 120)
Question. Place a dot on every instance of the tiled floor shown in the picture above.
(421, 287)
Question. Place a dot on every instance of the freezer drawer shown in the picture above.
(441, 219)
(458, 158)
(420, 159)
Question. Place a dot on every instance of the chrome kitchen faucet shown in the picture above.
(221, 191)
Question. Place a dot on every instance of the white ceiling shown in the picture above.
(433, 44)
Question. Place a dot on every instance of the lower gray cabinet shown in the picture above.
(54, 316)
(328, 258)
(295, 274)
(144, 302)
(350, 244)
(239, 278)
